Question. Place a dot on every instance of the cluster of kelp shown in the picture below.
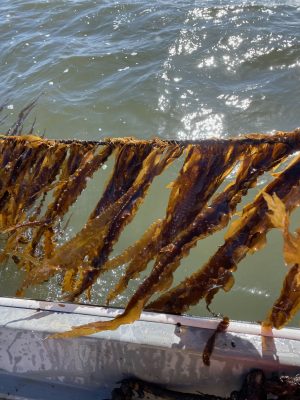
(33, 169)
(256, 386)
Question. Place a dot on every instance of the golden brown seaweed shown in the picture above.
(80, 165)
(249, 235)
(219, 273)
(154, 163)
(288, 303)
(182, 207)
(198, 179)
(33, 169)
(97, 237)
(30, 174)
(210, 344)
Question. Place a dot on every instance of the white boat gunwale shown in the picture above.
(159, 348)
(250, 328)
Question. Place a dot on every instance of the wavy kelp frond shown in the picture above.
(41, 180)
(288, 303)
(139, 255)
(205, 168)
(218, 272)
(77, 169)
(102, 230)
(210, 344)
(216, 214)
(17, 127)
(279, 216)
(91, 239)
(44, 166)
(22, 161)
(136, 248)
(247, 236)
(199, 178)
(78, 251)
(153, 165)
(128, 164)
(41, 162)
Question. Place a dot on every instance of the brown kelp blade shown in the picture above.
(199, 177)
(139, 256)
(210, 344)
(159, 278)
(288, 303)
(17, 127)
(102, 230)
(247, 237)
(155, 162)
(41, 179)
(79, 166)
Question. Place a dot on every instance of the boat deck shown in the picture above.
(158, 348)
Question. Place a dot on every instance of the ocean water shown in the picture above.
(177, 70)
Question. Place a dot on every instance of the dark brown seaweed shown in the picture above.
(219, 272)
(33, 169)
(137, 389)
(288, 303)
(155, 162)
(210, 344)
(198, 179)
(248, 235)
(214, 217)
(256, 386)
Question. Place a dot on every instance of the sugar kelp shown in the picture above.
(81, 164)
(288, 303)
(246, 235)
(257, 155)
(210, 344)
(23, 159)
(131, 179)
(199, 177)
(30, 168)
(189, 217)
(135, 168)
(33, 168)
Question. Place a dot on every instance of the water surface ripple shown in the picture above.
(174, 69)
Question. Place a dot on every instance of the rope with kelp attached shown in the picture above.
(33, 168)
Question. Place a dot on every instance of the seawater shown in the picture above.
(177, 70)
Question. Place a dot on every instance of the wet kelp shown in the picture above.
(41, 179)
(256, 386)
(210, 344)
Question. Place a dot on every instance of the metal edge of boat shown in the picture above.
(159, 348)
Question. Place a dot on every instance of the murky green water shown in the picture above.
(179, 70)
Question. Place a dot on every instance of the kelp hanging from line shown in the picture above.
(210, 344)
(245, 235)
(33, 169)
